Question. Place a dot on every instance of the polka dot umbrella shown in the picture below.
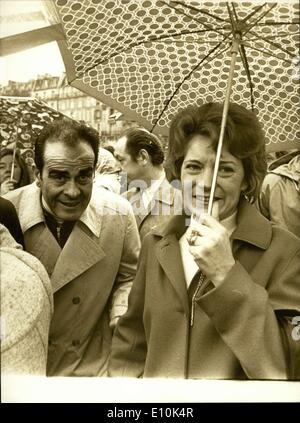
(21, 119)
(150, 58)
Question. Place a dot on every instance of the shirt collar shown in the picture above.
(31, 212)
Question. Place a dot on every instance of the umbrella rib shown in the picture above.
(247, 70)
(259, 18)
(161, 38)
(232, 21)
(235, 12)
(257, 9)
(187, 76)
(268, 53)
(201, 11)
(191, 17)
(272, 43)
(278, 23)
(258, 37)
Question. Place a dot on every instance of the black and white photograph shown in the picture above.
(150, 203)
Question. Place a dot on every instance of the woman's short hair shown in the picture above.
(138, 139)
(244, 139)
(25, 175)
(67, 131)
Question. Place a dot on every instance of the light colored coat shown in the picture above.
(91, 276)
(279, 198)
(26, 310)
(166, 202)
(242, 329)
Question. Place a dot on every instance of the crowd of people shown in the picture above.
(141, 281)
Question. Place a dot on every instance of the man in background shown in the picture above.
(153, 199)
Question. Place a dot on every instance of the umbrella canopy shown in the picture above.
(22, 118)
(149, 59)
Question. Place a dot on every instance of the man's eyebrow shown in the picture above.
(57, 171)
(87, 170)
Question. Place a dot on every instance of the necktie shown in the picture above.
(62, 231)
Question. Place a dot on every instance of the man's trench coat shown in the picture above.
(91, 276)
(244, 328)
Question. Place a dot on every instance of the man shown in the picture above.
(279, 198)
(153, 199)
(87, 240)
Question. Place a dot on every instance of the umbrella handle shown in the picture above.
(234, 52)
(13, 165)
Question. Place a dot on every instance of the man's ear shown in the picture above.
(143, 157)
(38, 178)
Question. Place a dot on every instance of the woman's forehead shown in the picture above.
(201, 144)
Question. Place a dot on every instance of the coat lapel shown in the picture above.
(164, 195)
(169, 257)
(79, 254)
(41, 243)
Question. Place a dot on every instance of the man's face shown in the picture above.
(132, 169)
(67, 178)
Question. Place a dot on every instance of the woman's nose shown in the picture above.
(206, 177)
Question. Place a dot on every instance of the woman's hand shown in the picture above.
(210, 245)
(6, 186)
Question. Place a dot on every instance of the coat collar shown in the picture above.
(81, 251)
(252, 227)
(164, 194)
(31, 212)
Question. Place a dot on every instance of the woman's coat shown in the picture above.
(242, 328)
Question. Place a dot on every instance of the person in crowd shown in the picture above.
(9, 218)
(88, 241)
(107, 171)
(279, 199)
(218, 298)
(16, 178)
(26, 309)
(153, 199)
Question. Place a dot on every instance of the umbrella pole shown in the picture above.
(234, 52)
(13, 164)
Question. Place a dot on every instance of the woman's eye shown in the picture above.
(225, 170)
(193, 167)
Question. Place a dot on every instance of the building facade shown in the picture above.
(57, 94)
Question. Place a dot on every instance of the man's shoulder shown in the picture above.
(104, 199)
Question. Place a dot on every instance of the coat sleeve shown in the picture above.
(245, 315)
(129, 347)
(127, 269)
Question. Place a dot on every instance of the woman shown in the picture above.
(20, 175)
(232, 320)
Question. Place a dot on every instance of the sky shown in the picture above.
(29, 64)
(19, 16)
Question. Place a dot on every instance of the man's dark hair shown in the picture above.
(138, 139)
(67, 131)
